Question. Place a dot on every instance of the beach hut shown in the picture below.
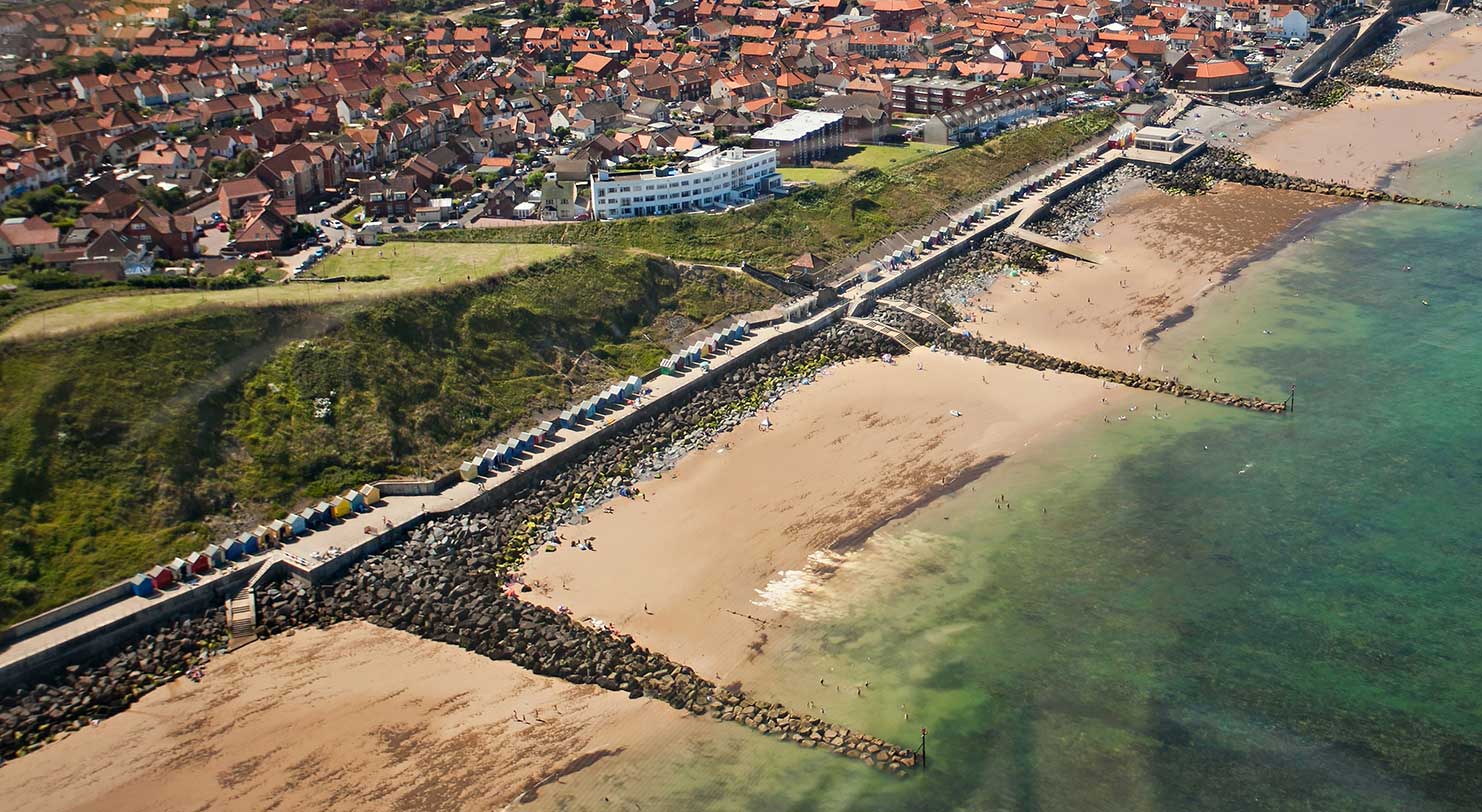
(505, 453)
(356, 500)
(234, 551)
(708, 347)
(669, 365)
(310, 517)
(326, 512)
(251, 544)
(181, 569)
(547, 431)
(217, 554)
(281, 529)
(745, 327)
(371, 492)
(339, 508)
(589, 408)
(538, 435)
(526, 441)
(567, 419)
(295, 525)
(161, 577)
(141, 585)
(618, 394)
(199, 563)
(635, 385)
(267, 537)
(469, 471)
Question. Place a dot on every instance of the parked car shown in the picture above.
(427, 227)
(260, 255)
(222, 227)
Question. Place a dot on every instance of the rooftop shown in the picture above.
(798, 126)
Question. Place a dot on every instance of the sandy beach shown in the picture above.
(1162, 254)
(353, 717)
(1447, 52)
(1367, 137)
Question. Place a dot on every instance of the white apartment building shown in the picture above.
(722, 178)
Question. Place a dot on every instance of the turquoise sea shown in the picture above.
(1219, 611)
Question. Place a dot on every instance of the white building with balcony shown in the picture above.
(721, 178)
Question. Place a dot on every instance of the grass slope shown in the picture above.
(121, 447)
(829, 221)
(411, 268)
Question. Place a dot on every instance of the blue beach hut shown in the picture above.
(356, 500)
(526, 441)
(141, 585)
(634, 385)
(326, 512)
(249, 543)
(296, 524)
(567, 419)
(234, 551)
(217, 554)
(589, 408)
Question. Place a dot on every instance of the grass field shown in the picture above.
(411, 266)
(812, 174)
(887, 156)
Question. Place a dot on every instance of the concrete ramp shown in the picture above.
(919, 312)
(1058, 246)
(885, 330)
(241, 618)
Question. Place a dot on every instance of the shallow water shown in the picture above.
(1216, 610)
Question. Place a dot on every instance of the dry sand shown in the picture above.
(1444, 54)
(355, 717)
(1162, 253)
(1367, 137)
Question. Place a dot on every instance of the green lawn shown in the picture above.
(888, 156)
(354, 217)
(812, 174)
(411, 266)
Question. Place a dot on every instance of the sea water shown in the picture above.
(1194, 609)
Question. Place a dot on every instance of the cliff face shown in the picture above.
(120, 449)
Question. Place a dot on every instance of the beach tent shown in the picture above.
(161, 577)
(250, 543)
(356, 500)
(217, 554)
(234, 549)
(141, 585)
(198, 563)
(371, 493)
(339, 507)
(180, 568)
(469, 471)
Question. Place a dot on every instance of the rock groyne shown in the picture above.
(1216, 164)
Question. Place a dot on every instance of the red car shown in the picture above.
(221, 227)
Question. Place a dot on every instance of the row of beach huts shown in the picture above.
(510, 453)
(251, 542)
(939, 237)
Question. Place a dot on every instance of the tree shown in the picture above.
(395, 110)
(535, 180)
(377, 93)
(167, 199)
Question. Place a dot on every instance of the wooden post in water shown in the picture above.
(923, 748)
(1291, 400)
